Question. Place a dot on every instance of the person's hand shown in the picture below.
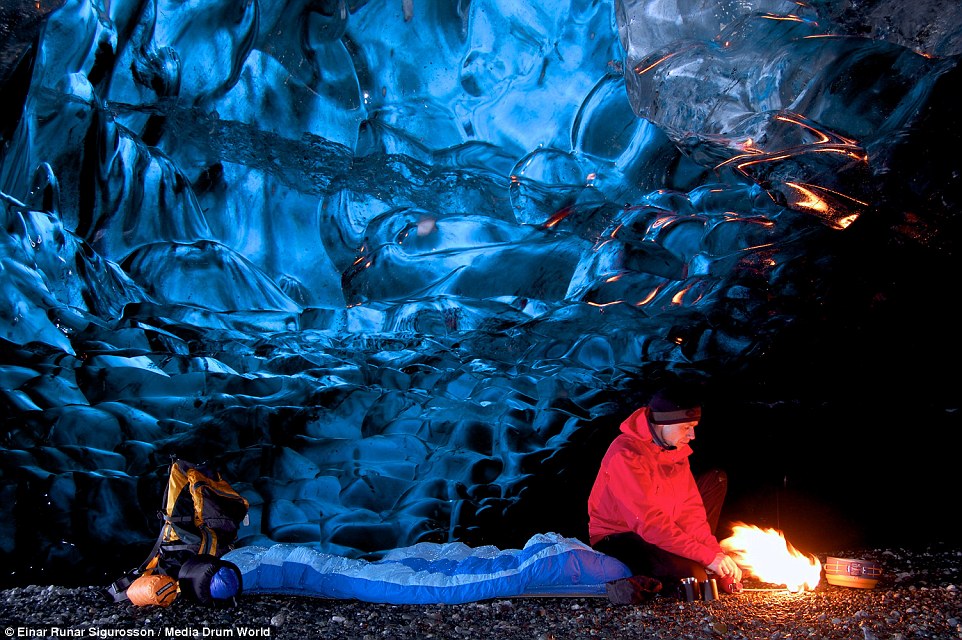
(725, 566)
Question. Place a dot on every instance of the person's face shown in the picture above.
(676, 435)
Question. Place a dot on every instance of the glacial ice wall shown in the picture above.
(401, 267)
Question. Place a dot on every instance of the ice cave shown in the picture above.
(400, 267)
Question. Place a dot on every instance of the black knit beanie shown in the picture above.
(674, 405)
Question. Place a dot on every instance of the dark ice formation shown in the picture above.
(400, 268)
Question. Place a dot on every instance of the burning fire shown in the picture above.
(767, 555)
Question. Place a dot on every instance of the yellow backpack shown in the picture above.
(201, 516)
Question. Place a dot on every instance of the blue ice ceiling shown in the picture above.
(400, 267)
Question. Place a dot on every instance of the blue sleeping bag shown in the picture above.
(431, 573)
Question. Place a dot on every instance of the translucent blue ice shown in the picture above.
(392, 264)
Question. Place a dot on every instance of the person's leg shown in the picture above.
(712, 485)
(645, 559)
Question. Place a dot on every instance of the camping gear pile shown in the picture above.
(201, 515)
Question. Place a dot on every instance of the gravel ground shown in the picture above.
(918, 596)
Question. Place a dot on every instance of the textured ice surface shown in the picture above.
(402, 267)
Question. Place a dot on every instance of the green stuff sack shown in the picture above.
(201, 515)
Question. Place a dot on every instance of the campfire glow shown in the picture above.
(767, 555)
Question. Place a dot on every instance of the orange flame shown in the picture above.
(767, 555)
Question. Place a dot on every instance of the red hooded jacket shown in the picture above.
(644, 488)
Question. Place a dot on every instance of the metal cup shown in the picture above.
(709, 589)
(690, 588)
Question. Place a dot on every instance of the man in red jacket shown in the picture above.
(647, 509)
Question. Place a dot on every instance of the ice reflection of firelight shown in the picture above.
(767, 555)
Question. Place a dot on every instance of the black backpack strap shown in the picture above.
(117, 590)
